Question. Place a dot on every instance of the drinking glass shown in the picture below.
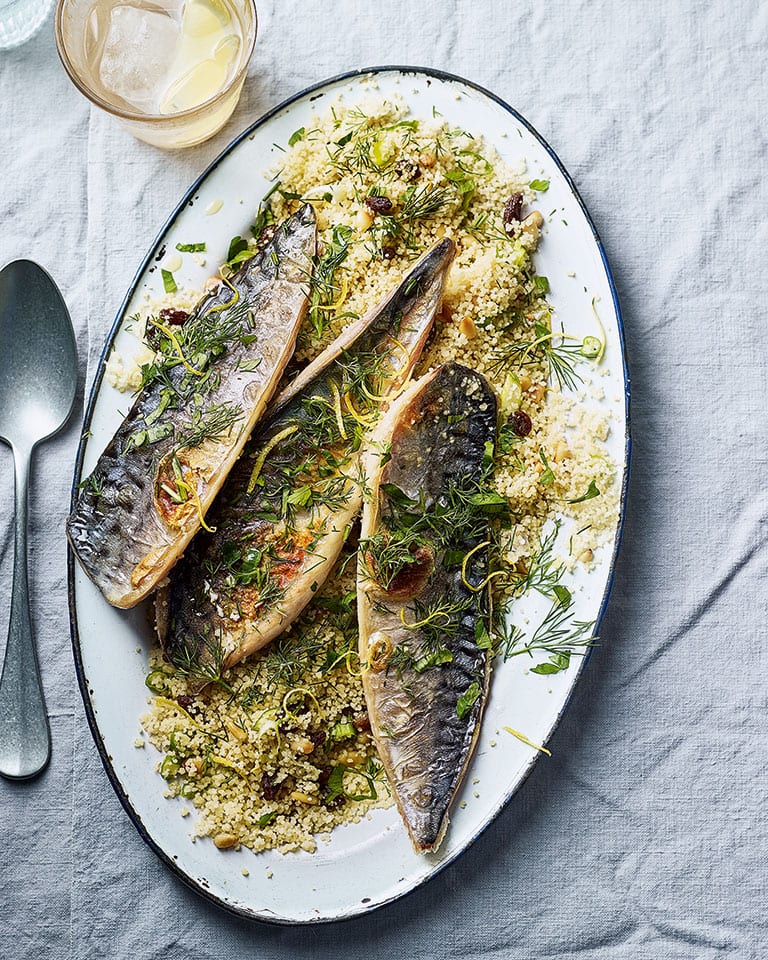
(141, 62)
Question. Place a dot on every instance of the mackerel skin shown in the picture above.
(437, 435)
(124, 528)
(202, 613)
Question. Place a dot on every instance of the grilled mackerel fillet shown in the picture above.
(210, 383)
(422, 591)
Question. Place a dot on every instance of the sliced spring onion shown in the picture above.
(179, 742)
(159, 432)
(169, 284)
(433, 660)
(169, 767)
(591, 348)
(511, 395)
(344, 730)
(157, 681)
(601, 354)
(296, 136)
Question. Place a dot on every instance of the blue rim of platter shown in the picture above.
(197, 885)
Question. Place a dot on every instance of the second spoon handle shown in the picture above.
(25, 738)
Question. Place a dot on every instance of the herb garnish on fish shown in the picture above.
(212, 375)
(423, 590)
(290, 501)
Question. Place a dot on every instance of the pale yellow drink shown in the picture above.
(170, 70)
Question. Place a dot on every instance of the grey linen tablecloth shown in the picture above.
(645, 834)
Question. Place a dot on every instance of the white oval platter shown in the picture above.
(371, 863)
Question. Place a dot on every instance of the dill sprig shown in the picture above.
(200, 659)
(556, 350)
(324, 290)
(386, 555)
(557, 635)
(409, 525)
(544, 569)
(362, 371)
(293, 653)
(360, 151)
(213, 423)
(417, 204)
(433, 624)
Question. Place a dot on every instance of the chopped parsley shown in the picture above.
(547, 477)
(592, 491)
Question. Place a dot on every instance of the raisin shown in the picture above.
(361, 722)
(325, 776)
(388, 253)
(174, 318)
(513, 209)
(188, 703)
(408, 170)
(521, 423)
(317, 737)
(152, 336)
(378, 204)
(269, 789)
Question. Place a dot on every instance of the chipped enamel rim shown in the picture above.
(200, 885)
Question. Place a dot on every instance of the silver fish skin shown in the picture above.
(149, 492)
(218, 606)
(425, 676)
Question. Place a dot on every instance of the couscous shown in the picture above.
(278, 751)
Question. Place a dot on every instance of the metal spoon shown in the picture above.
(38, 379)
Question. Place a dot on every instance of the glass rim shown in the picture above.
(149, 118)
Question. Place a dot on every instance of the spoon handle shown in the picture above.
(25, 738)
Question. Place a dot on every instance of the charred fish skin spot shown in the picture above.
(289, 502)
(208, 383)
(439, 433)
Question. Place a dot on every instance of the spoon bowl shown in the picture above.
(38, 357)
(38, 381)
